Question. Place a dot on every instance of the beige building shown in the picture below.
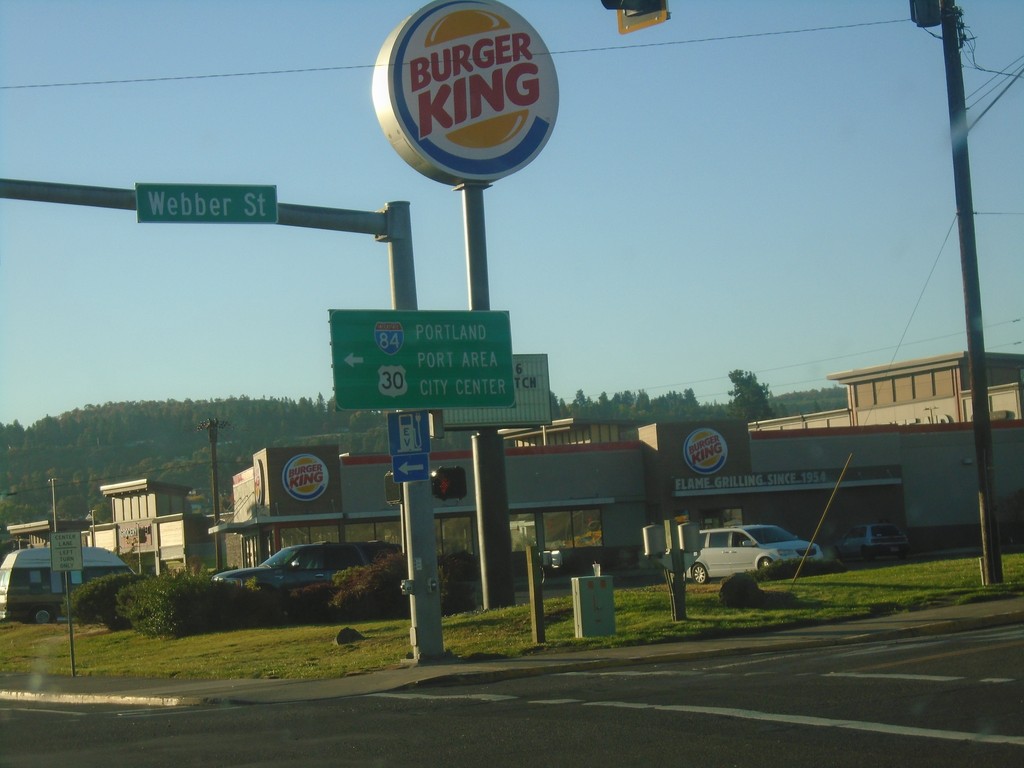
(152, 526)
(927, 390)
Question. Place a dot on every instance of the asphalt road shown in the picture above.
(951, 700)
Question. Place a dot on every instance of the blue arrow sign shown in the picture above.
(410, 467)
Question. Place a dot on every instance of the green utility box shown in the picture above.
(593, 606)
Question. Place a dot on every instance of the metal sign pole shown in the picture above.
(418, 507)
(493, 532)
(71, 623)
(393, 226)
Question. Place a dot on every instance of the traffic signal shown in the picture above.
(637, 14)
(634, 6)
(926, 13)
(448, 483)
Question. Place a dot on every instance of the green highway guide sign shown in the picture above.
(206, 203)
(397, 360)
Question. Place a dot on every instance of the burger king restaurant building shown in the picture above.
(588, 489)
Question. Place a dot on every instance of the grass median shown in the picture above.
(642, 616)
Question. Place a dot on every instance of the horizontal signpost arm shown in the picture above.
(339, 219)
(69, 194)
(314, 217)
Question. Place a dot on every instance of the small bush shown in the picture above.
(247, 607)
(311, 604)
(95, 602)
(372, 591)
(783, 570)
(457, 573)
(184, 603)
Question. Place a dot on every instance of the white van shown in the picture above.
(30, 593)
(725, 551)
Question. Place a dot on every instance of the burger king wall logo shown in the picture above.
(705, 451)
(465, 90)
(305, 477)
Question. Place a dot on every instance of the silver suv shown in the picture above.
(744, 548)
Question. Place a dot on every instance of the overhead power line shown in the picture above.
(341, 68)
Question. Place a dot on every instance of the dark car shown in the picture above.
(870, 541)
(305, 564)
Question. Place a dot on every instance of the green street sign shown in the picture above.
(396, 360)
(206, 203)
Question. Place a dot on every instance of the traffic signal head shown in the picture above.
(448, 483)
(635, 6)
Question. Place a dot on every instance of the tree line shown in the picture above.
(62, 461)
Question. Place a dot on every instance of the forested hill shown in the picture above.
(101, 444)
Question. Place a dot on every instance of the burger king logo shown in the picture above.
(705, 451)
(305, 477)
(465, 90)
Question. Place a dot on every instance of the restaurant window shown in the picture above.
(386, 530)
(308, 534)
(523, 528)
(572, 528)
(454, 534)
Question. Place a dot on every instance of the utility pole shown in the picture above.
(53, 498)
(212, 426)
(952, 41)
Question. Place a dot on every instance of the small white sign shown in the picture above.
(66, 551)
(532, 406)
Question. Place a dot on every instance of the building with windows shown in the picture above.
(903, 453)
(928, 390)
(152, 526)
(592, 500)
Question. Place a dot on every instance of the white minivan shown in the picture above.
(30, 592)
(726, 551)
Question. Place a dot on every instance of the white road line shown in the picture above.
(881, 676)
(634, 673)
(47, 711)
(822, 722)
(450, 697)
(555, 701)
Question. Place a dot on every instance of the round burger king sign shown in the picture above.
(705, 451)
(465, 90)
(305, 477)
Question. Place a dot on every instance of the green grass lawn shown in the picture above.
(642, 616)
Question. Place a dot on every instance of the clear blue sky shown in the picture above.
(714, 196)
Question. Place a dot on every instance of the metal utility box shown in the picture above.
(593, 606)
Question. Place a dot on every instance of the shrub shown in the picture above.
(184, 603)
(95, 602)
(457, 573)
(311, 604)
(247, 607)
(372, 591)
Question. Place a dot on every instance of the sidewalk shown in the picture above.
(164, 692)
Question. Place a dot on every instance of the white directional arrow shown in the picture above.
(353, 360)
(406, 467)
